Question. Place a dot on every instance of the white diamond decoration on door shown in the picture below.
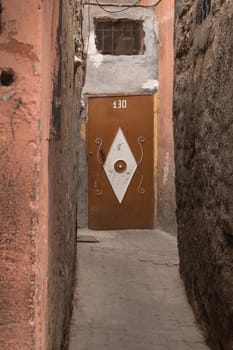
(120, 165)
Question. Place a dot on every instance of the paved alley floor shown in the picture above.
(129, 296)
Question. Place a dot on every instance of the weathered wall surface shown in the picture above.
(63, 175)
(20, 160)
(36, 252)
(108, 74)
(165, 165)
(203, 141)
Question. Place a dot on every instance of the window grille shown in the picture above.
(119, 37)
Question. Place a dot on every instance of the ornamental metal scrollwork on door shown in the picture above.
(120, 162)
(119, 165)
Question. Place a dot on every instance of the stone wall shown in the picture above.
(63, 174)
(203, 112)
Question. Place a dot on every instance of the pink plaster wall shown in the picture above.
(38, 171)
(166, 168)
(25, 108)
(49, 23)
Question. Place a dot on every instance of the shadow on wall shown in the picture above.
(63, 173)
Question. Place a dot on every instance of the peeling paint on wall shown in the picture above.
(108, 74)
(37, 245)
(151, 85)
(93, 55)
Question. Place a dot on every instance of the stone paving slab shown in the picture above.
(129, 296)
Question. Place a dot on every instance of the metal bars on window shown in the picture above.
(119, 37)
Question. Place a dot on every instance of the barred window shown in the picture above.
(119, 37)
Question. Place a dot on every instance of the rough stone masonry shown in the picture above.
(203, 112)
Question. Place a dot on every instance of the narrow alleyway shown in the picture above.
(129, 295)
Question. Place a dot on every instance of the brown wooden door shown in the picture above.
(120, 162)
